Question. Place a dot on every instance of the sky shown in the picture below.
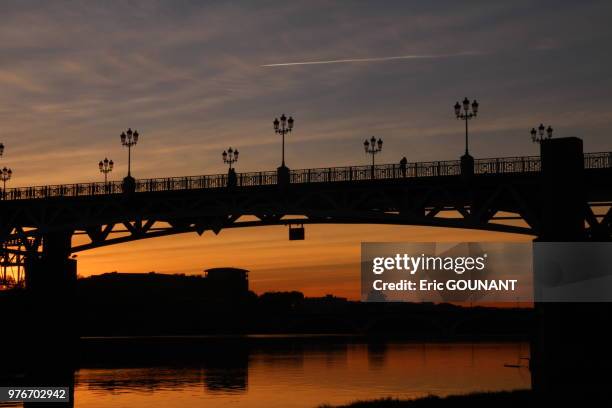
(197, 77)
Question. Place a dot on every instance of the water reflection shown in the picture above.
(285, 372)
(377, 351)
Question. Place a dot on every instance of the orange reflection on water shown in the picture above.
(307, 376)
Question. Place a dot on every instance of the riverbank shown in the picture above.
(154, 305)
(486, 399)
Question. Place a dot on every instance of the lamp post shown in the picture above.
(373, 147)
(129, 138)
(283, 127)
(1, 149)
(230, 157)
(106, 166)
(538, 136)
(467, 161)
(466, 115)
(5, 175)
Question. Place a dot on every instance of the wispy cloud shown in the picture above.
(373, 59)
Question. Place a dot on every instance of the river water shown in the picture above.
(293, 372)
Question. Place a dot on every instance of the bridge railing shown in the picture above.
(181, 183)
(602, 160)
(381, 171)
(261, 178)
(503, 165)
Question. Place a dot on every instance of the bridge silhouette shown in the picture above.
(561, 195)
(504, 165)
(503, 194)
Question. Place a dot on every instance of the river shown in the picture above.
(299, 372)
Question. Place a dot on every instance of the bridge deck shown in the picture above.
(503, 165)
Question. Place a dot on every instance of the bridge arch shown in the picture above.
(174, 230)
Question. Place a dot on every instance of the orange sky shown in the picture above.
(326, 262)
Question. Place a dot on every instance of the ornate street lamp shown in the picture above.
(1, 149)
(283, 127)
(466, 115)
(106, 166)
(129, 138)
(5, 175)
(373, 147)
(230, 157)
(538, 136)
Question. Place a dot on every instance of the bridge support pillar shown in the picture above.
(129, 185)
(40, 336)
(284, 175)
(570, 354)
(467, 166)
(563, 200)
(232, 179)
(51, 290)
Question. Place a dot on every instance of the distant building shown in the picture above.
(227, 281)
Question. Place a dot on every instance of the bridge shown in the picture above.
(561, 195)
(503, 194)
(508, 194)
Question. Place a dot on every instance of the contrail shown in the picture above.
(372, 59)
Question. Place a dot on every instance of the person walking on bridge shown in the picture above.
(403, 165)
